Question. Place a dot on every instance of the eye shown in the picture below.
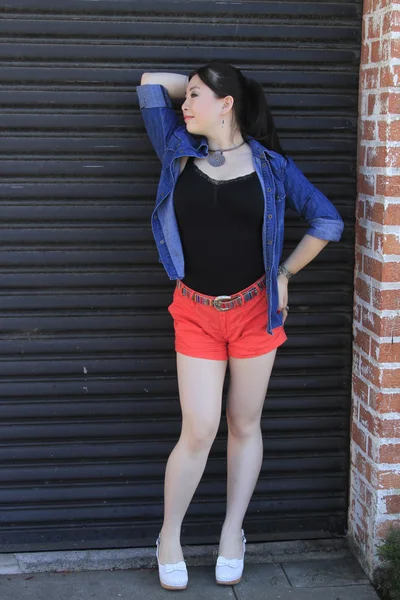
(191, 95)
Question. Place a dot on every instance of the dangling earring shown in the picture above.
(222, 122)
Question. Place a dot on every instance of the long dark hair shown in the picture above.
(252, 115)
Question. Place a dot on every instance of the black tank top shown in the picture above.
(220, 225)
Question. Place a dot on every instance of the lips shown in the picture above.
(186, 118)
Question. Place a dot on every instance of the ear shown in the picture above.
(228, 103)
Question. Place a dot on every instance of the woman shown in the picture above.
(218, 226)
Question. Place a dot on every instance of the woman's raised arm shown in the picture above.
(175, 83)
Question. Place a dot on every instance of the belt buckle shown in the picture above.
(218, 299)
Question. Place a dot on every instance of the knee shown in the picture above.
(243, 427)
(199, 436)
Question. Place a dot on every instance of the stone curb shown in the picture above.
(145, 558)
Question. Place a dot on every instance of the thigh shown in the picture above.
(197, 329)
(200, 383)
(249, 379)
(247, 330)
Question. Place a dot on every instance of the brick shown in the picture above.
(380, 270)
(360, 209)
(382, 529)
(386, 326)
(360, 388)
(368, 6)
(390, 353)
(384, 102)
(395, 48)
(394, 104)
(364, 466)
(370, 78)
(378, 103)
(358, 487)
(357, 313)
(386, 243)
(389, 131)
(367, 420)
(384, 402)
(361, 155)
(375, 349)
(376, 51)
(362, 340)
(388, 428)
(363, 236)
(369, 371)
(392, 504)
(365, 51)
(358, 255)
(391, 21)
(372, 101)
(391, 271)
(385, 299)
(358, 436)
(388, 76)
(389, 453)
(362, 289)
(374, 211)
(382, 156)
(390, 378)
(392, 214)
(388, 479)
(368, 130)
(373, 267)
(366, 183)
(377, 426)
(373, 28)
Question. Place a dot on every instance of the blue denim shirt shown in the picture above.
(283, 183)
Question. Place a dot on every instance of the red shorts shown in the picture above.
(203, 331)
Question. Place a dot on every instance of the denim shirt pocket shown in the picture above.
(280, 193)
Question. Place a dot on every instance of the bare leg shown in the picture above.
(249, 378)
(200, 383)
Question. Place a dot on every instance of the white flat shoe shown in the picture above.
(228, 571)
(173, 576)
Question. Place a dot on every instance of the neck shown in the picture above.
(223, 141)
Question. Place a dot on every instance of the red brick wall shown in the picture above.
(375, 445)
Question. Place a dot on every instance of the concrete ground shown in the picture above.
(299, 570)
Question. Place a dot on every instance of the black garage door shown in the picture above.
(89, 398)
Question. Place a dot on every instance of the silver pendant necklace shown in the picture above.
(218, 159)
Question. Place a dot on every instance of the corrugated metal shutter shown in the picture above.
(89, 398)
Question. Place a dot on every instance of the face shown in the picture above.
(206, 111)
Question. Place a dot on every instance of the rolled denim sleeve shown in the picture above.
(159, 117)
(311, 204)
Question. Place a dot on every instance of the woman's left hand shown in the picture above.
(283, 296)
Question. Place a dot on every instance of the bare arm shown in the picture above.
(175, 83)
(306, 250)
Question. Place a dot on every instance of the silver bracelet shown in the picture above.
(284, 271)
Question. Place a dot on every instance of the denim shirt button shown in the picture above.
(269, 241)
(161, 241)
(269, 190)
(269, 216)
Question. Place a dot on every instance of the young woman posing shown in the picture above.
(218, 226)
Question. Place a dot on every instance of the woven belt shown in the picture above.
(223, 302)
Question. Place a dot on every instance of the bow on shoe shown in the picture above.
(227, 562)
(180, 566)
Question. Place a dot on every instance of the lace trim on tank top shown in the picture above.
(220, 181)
